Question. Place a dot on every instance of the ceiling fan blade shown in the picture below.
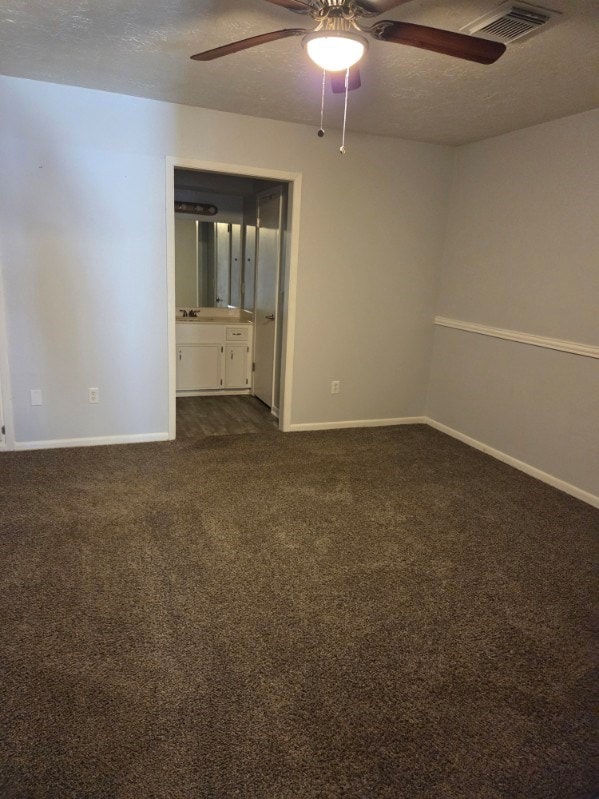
(458, 45)
(245, 44)
(338, 80)
(303, 6)
(374, 7)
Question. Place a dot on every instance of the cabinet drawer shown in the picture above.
(237, 334)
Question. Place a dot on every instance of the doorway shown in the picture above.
(2, 425)
(254, 267)
(7, 436)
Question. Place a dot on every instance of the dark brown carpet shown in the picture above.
(363, 613)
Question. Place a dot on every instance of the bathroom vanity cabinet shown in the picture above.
(213, 357)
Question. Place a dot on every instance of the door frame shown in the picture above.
(290, 267)
(7, 442)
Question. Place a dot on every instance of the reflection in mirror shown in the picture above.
(236, 266)
(249, 268)
(186, 258)
(209, 264)
(223, 265)
(205, 266)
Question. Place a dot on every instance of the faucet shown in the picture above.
(192, 313)
(183, 312)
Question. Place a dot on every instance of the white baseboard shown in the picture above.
(59, 443)
(297, 428)
(217, 392)
(568, 488)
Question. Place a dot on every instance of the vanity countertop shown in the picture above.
(213, 320)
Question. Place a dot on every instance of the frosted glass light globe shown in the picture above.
(335, 53)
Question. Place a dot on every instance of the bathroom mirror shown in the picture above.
(210, 265)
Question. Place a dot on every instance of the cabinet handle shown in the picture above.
(180, 354)
(231, 354)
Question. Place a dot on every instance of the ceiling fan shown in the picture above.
(338, 42)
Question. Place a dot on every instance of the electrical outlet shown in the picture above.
(36, 396)
(94, 395)
(335, 386)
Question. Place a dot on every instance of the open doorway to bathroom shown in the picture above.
(231, 280)
(2, 425)
(7, 437)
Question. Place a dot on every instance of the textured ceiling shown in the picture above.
(142, 48)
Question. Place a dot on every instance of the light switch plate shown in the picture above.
(36, 396)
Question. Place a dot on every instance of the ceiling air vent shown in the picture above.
(511, 21)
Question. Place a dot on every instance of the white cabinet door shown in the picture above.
(236, 366)
(198, 366)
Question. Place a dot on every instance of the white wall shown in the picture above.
(83, 251)
(522, 253)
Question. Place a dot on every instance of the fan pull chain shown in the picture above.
(342, 148)
(324, 80)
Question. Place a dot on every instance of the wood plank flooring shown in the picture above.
(198, 417)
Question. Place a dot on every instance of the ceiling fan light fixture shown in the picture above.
(334, 51)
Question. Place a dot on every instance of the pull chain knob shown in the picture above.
(321, 129)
